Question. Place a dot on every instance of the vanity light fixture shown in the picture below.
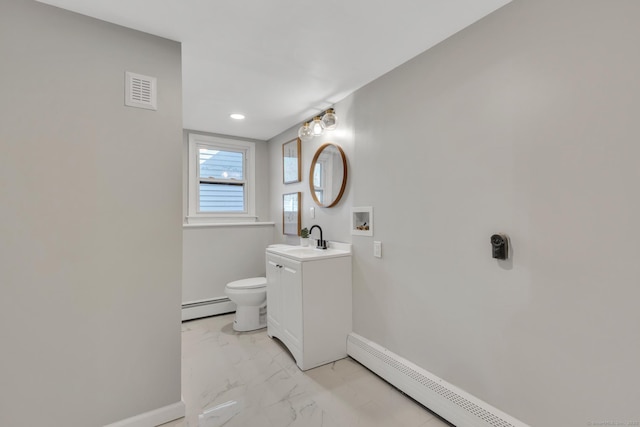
(330, 120)
(305, 133)
(316, 127)
(237, 116)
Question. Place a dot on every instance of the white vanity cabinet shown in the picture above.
(309, 303)
(284, 299)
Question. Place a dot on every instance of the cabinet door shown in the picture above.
(291, 286)
(274, 292)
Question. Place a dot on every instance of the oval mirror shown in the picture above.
(328, 175)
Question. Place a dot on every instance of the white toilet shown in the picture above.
(250, 296)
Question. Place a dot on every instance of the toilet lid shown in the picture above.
(252, 283)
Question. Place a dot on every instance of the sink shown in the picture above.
(307, 253)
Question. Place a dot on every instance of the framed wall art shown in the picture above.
(291, 165)
(291, 214)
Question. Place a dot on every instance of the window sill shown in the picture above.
(229, 224)
(220, 219)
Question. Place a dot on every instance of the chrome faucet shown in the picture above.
(322, 244)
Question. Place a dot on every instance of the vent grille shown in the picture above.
(489, 416)
(140, 91)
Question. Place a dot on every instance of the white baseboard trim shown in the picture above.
(205, 308)
(153, 418)
(450, 402)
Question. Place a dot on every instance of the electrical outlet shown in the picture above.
(312, 212)
(377, 249)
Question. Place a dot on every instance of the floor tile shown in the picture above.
(248, 379)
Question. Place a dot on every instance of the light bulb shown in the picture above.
(305, 133)
(316, 126)
(330, 120)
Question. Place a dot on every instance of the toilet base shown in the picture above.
(250, 318)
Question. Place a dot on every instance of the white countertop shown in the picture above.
(310, 253)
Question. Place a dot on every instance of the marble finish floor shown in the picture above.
(248, 379)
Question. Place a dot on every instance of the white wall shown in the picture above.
(331, 220)
(90, 221)
(524, 123)
(215, 256)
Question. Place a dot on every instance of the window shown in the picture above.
(318, 181)
(221, 180)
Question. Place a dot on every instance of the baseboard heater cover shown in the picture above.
(448, 401)
(207, 307)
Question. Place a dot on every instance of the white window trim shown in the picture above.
(193, 216)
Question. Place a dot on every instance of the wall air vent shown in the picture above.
(140, 91)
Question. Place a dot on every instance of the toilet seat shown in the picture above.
(251, 283)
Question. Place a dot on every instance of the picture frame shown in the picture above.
(291, 164)
(291, 215)
(362, 221)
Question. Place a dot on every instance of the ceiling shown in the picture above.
(279, 62)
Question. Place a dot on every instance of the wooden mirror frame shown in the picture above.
(344, 178)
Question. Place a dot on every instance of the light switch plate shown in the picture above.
(377, 249)
(312, 212)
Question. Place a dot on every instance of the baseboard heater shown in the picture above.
(451, 403)
(206, 307)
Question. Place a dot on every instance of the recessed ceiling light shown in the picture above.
(237, 116)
